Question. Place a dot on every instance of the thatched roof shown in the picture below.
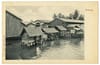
(14, 26)
(71, 21)
(13, 15)
(33, 31)
(40, 21)
(50, 30)
(61, 28)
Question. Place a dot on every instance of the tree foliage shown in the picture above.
(76, 14)
(70, 16)
(54, 16)
(81, 17)
(60, 15)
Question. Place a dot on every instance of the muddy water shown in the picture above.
(66, 49)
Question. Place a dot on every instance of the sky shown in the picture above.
(28, 13)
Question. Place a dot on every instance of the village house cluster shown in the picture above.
(27, 41)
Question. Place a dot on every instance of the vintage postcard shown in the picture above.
(50, 32)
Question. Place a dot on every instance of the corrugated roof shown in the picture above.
(72, 21)
(33, 31)
(61, 28)
(50, 30)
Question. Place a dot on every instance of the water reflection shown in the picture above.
(75, 41)
(65, 49)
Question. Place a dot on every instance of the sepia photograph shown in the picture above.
(44, 36)
(44, 32)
